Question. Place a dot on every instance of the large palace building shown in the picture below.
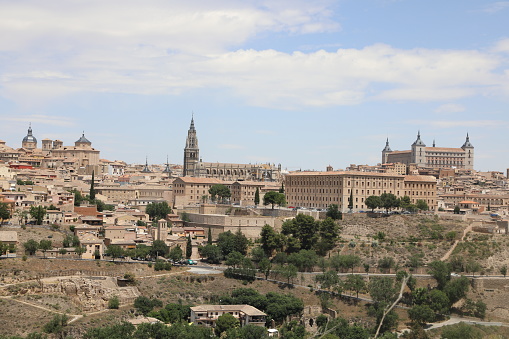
(432, 157)
(321, 189)
(194, 167)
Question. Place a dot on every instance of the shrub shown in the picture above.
(113, 303)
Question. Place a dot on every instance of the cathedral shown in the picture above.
(53, 153)
(432, 157)
(195, 167)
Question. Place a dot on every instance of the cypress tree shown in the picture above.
(209, 240)
(257, 197)
(350, 201)
(92, 190)
(189, 247)
(282, 188)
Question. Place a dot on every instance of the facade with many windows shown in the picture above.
(321, 189)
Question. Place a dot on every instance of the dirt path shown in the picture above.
(73, 316)
(448, 254)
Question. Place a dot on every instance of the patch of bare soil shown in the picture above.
(403, 236)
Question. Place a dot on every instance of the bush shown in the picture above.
(113, 303)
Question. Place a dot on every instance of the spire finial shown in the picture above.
(433, 142)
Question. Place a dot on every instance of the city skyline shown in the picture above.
(297, 83)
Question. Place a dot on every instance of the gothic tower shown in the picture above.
(386, 151)
(469, 154)
(191, 152)
(419, 151)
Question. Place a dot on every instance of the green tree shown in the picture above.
(209, 237)
(225, 322)
(389, 201)
(158, 210)
(56, 325)
(38, 213)
(421, 205)
(302, 227)
(144, 305)
(304, 260)
(441, 271)
(92, 190)
(328, 279)
(264, 266)
(4, 212)
(405, 202)
(159, 248)
(62, 251)
(503, 270)
(79, 250)
(114, 251)
(421, 314)
(373, 201)
(113, 303)
(457, 289)
(78, 197)
(274, 198)
(221, 191)
(329, 234)
(212, 253)
(289, 272)
(31, 246)
(234, 259)
(45, 245)
(270, 240)
(355, 282)
(282, 188)
(189, 247)
(257, 197)
(386, 263)
(350, 201)
(457, 210)
(333, 212)
(176, 253)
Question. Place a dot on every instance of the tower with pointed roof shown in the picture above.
(419, 151)
(191, 152)
(385, 152)
(29, 142)
(469, 153)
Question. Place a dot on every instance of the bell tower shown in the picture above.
(191, 152)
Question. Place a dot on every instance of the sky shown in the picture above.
(300, 83)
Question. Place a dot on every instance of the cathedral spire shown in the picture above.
(387, 147)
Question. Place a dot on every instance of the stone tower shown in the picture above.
(29, 142)
(419, 151)
(191, 152)
(385, 152)
(469, 154)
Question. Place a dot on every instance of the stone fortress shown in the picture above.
(432, 157)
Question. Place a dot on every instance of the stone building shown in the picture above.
(432, 157)
(195, 167)
(321, 189)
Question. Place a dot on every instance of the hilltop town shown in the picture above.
(92, 247)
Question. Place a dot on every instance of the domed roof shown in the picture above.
(83, 139)
(30, 137)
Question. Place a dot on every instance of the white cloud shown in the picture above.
(42, 120)
(169, 47)
(496, 7)
(460, 123)
(450, 108)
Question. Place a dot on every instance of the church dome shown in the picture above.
(29, 137)
(83, 139)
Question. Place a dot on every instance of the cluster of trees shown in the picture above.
(389, 201)
(428, 305)
(5, 213)
(80, 198)
(274, 198)
(158, 210)
(25, 182)
(227, 242)
(220, 191)
(277, 306)
(302, 232)
(4, 248)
